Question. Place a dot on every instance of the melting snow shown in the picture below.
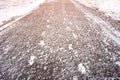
(31, 61)
(81, 68)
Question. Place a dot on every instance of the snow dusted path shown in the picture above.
(106, 27)
(59, 41)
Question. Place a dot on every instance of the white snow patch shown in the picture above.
(70, 47)
(61, 48)
(31, 61)
(75, 78)
(45, 67)
(51, 0)
(28, 51)
(42, 43)
(1, 23)
(48, 26)
(76, 53)
(117, 63)
(48, 20)
(111, 8)
(74, 35)
(68, 28)
(43, 33)
(81, 68)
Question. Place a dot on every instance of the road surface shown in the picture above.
(60, 40)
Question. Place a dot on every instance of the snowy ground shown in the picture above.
(109, 7)
(13, 8)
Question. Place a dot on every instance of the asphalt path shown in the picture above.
(60, 40)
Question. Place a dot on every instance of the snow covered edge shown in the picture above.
(110, 8)
(22, 11)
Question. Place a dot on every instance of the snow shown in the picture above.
(70, 47)
(81, 68)
(48, 26)
(68, 28)
(42, 43)
(31, 61)
(48, 20)
(1, 22)
(45, 67)
(10, 23)
(61, 48)
(74, 35)
(107, 29)
(109, 7)
(7, 48)
(75, 78)
(43, 33)
(11, 8)
(51, 0)
(117, 63)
